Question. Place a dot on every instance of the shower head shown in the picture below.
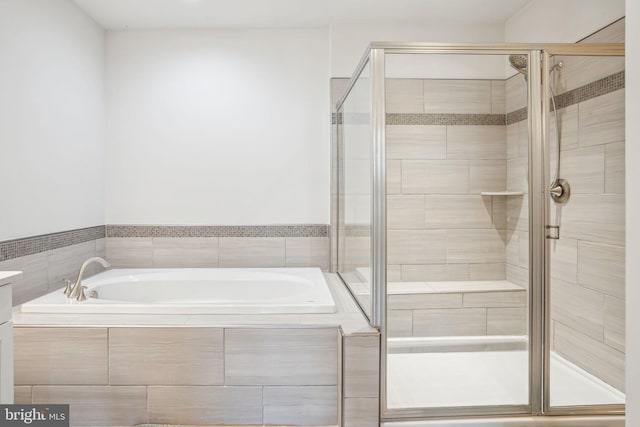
(519, 62)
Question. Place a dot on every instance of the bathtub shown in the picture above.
(196, 291)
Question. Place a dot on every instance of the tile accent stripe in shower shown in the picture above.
(589, 91)
(584, 93)
(17, 248)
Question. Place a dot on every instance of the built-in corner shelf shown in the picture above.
(501, 193)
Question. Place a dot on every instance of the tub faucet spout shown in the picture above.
(77, 290)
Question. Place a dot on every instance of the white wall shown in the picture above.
(51, 118)
(632, 27)
(349, 41)
(566, 21)
(218, 127)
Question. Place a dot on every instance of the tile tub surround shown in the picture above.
(47, 260)
(203, 369)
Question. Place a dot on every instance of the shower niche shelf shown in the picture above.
(502, 193)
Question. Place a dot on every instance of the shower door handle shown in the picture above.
(553, 232)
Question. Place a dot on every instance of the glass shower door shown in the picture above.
(586, 246)
(457, 192)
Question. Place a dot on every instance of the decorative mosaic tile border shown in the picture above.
(10, 249)
(584, 93)
(517, 116)
(429, 119)
(591, 90)
(16, 248)
(446, 119)
(297, 230)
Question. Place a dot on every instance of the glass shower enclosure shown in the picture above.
(480, 225)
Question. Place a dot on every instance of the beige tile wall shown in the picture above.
(587, 272)
(439, 226)
(196, 375)
(140, 252)
(457, 314)
(587, 263)
(45, 271)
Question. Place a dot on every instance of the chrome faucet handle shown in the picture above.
(69, 286)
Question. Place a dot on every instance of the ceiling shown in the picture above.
(148, 14)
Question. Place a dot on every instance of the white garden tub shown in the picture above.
(196, 291)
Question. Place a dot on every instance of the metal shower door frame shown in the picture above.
(539, 215)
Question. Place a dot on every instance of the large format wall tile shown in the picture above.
(394, 176)
(435, 272)
(495, 299)
(568, 122)
(416, 246)
(594, 217)
(416, 142)
(405, 211)
(564, 259)
(252, 252)
(601, 267)
(487, 271)
(404, 96)
(166, 356)
(60, 356)
(130, 252)
(614, 168)
(307, 252)
(577, 307)
(487, 175)
(578, 71)
(595, 357)
(304, 356)
(424, 301)
(475, 246)
(457, 96)
(399, 323)
(98, 405)
(361, 366)
(498, 97)
(22, 394)
(185, 252)
(614, 326)
(300, 406)
(517, 174)
(35, 276)
(507, 321)
(512, 140)
(205, 405)
(584, 168)
(453, 211)
(361, 412)
(601, 119)
(516, 93)
(450, 322)
(435, 177)
(476, 142)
